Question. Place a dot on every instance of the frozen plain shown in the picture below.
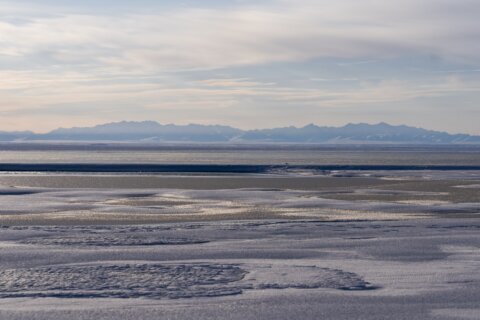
(392, 247)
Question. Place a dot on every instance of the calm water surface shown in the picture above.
(295, 155)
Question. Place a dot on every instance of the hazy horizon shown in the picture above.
(235, 127)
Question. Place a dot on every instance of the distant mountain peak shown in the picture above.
(311, 126)
(152, 131)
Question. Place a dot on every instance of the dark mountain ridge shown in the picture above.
(151, 131)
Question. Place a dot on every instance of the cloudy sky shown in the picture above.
(249, 64)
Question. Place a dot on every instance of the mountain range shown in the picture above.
(154, 132)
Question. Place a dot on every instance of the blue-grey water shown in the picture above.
(18, 153)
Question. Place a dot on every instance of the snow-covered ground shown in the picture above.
(391, 250)
(276, 269)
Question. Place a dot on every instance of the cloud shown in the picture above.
(209, 58)
(22, 90)
(195, 38)
(234, 83)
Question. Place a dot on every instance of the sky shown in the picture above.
(248, 64)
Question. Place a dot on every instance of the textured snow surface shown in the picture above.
(408, 250)
(121, 281)
(157, 281)
(108, 240)
(264, 269)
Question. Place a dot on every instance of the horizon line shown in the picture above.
(239, 128)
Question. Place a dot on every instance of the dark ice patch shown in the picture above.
(155, 281)
(16, 192)
(109, 240)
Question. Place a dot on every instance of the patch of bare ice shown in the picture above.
(468, 186)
